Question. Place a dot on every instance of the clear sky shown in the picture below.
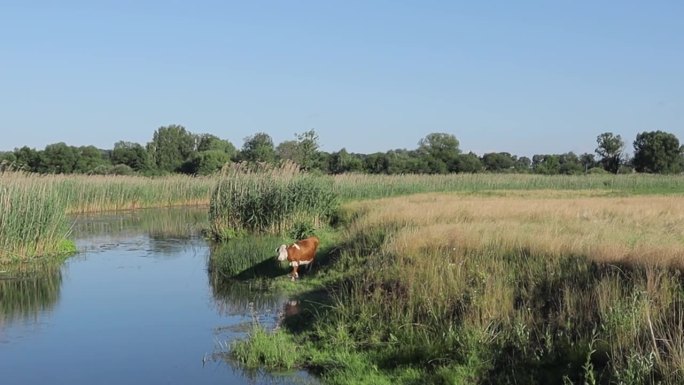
(525, 77)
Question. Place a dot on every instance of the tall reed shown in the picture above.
(96, 193)
(269, 200)
(33, 222)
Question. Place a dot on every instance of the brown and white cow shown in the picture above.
(299, 253)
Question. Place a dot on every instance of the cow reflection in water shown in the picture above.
(290, 308)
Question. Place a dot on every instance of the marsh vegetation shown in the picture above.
(536, 285)
(35, 209)
(442, 279)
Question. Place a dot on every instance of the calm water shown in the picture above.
(136, 306)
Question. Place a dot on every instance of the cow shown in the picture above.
(299, 253)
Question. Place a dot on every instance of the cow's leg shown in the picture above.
(294, 272)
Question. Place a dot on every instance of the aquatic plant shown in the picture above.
(269, 201)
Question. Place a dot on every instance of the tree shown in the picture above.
(308, 149)
(587, 161)
(8, 161)
(469, 163)
(88, 159)
(58, 158)
(657, 152)
(402, 161)
(208, 142)
(171, 146)
(27, 159)
(523, 164)
(546, 164)
(289, 150)
(570, 164)
(258, 148)
(303, 151)
(610, 149)
(206, 162)
(498, 161)
(342, 161)
(322, 162)
(441, 152)
(376, 163)
(131, 154)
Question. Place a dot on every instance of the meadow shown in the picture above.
(518, 283)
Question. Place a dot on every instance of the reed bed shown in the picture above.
(34, 208)
(33, 222)
(269, 201)
(364, 186)
(95, 193)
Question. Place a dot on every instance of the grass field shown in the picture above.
(494, 287)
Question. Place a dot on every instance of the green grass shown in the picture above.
(409, 296)
(362, 186)
(276, 350)
(246, 257)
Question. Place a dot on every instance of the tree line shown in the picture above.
(173, 149)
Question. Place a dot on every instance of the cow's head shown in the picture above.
(282, 252)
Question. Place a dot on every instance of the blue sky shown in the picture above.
(525, 77)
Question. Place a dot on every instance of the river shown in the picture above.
(136, 305)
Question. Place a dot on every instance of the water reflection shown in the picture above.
(161, 232)
(240, 275)
(27, 291)
(174, 222)
(233, 297)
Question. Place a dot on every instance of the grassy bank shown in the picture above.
(514, 287)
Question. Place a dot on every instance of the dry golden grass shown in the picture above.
(533, 270)
(644, 229)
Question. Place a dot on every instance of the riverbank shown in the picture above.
(527, 287)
